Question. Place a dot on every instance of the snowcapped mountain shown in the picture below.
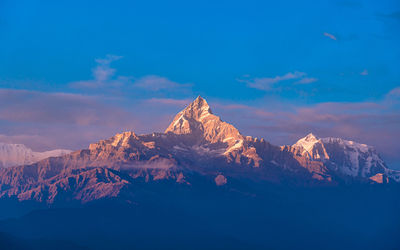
(19, 154)
(312, 148)
(197, 149)
(344, 157)
(198, 120)
(209, 134)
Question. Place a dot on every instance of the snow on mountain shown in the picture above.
(358, 159)
(312, 147)
(346, 157)
(198, 119)
(210, 134)
(19, 154)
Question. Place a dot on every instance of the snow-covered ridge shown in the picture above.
(350, 144)
(344, 156)
(19, 154)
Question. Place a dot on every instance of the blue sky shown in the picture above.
(276, 69)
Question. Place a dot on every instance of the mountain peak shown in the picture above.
(189, 120)
(308, 141)
(312, 147)
(197, 119)
(310, 137)
(199, 108)
(200, 101)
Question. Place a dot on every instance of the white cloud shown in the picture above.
(34, 107)
(330, 36)
(103, 75)
(267, 83)
(103, 71)
(169, 101)
(394, 92)
(307, 80)
(155, 83)
(108, 59)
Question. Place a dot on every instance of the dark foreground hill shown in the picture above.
(356, 217)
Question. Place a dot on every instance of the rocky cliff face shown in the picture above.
(196, 148)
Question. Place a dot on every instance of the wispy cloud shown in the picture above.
(44, 121)
(108, 59)
(48, 120)
(364, 72)
(103, 74)
(330, 36)
(25, 139)
(169, 101)
(394, 93)
(156, 164)
(307, 80)
(156, 83)
(56, 108)
(268, 83)
(105, 77)
(103, 71)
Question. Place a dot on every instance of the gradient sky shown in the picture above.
(73, 72)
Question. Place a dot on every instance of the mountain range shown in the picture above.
(196, 148)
